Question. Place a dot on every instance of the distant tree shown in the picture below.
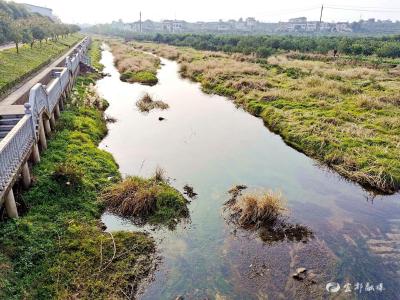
(16, 32)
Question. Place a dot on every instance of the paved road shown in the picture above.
(6, 46)
(22, 90)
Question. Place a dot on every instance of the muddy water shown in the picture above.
(208, 143)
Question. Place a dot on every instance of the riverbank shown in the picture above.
(16, 67)
(345, 116)
(58, 248)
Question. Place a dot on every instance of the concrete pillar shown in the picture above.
(42, 135)
(26, 176)
(53, 121)
(47, 127)
(11, 206)
(61, 103)
(35, 153)
(57, 110)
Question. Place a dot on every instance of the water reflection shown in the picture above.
(207, 142)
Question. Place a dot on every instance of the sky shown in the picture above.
(105, 11)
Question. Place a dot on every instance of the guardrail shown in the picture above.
(42, 99)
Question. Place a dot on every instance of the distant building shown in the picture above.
(298, 20)
(44, 11)
(173, 26)
(302, 25)
(342, 27)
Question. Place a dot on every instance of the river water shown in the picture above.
(208, 143)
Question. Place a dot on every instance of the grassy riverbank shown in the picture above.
(345, 113)
(95, 53)
(58, 248)
(133, 65)
(16, 67)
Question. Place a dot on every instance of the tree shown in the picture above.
(16, 33)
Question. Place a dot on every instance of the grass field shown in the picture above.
(133, 65)
(16, 67)
(344, 112)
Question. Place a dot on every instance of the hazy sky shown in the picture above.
(101, 11)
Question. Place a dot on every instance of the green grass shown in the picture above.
(344, 114)
(58, 249)
(16, 67)
(143, 77)
(95, 54)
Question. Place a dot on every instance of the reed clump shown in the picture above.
(264, 213)
(256, 210)
(150, 200)
(146, 103)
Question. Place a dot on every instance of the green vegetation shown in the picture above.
(345, 113)
(95, 54)
(135, 66)
(265, 45)
(17, 66)
(148, 200)
(20, 26)
(57, 249)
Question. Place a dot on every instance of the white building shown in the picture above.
(174, 26)
(44, 11)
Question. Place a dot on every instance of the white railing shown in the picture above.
(17, 143)
(13, 149)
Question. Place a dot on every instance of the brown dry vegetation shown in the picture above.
(256, 210)
(266, 214)
(343, 114)
(147, 200)
(134, 65)
(146, 103)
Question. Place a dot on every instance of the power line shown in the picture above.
(364, 10)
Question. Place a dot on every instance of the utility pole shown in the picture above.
(140, 22)
(320, 17)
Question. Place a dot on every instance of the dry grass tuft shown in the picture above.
(146, 103)
(147, 200)
(256, 210)
(160, 175)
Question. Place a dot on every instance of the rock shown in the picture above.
(297, 276)
(301, 270)
(103, 226)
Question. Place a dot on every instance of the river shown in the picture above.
(208, 143)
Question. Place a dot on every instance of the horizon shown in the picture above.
(106, 12)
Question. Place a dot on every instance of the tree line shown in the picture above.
(266, 45)
(17, 25)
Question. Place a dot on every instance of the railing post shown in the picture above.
(32, 121)
(11, 206)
